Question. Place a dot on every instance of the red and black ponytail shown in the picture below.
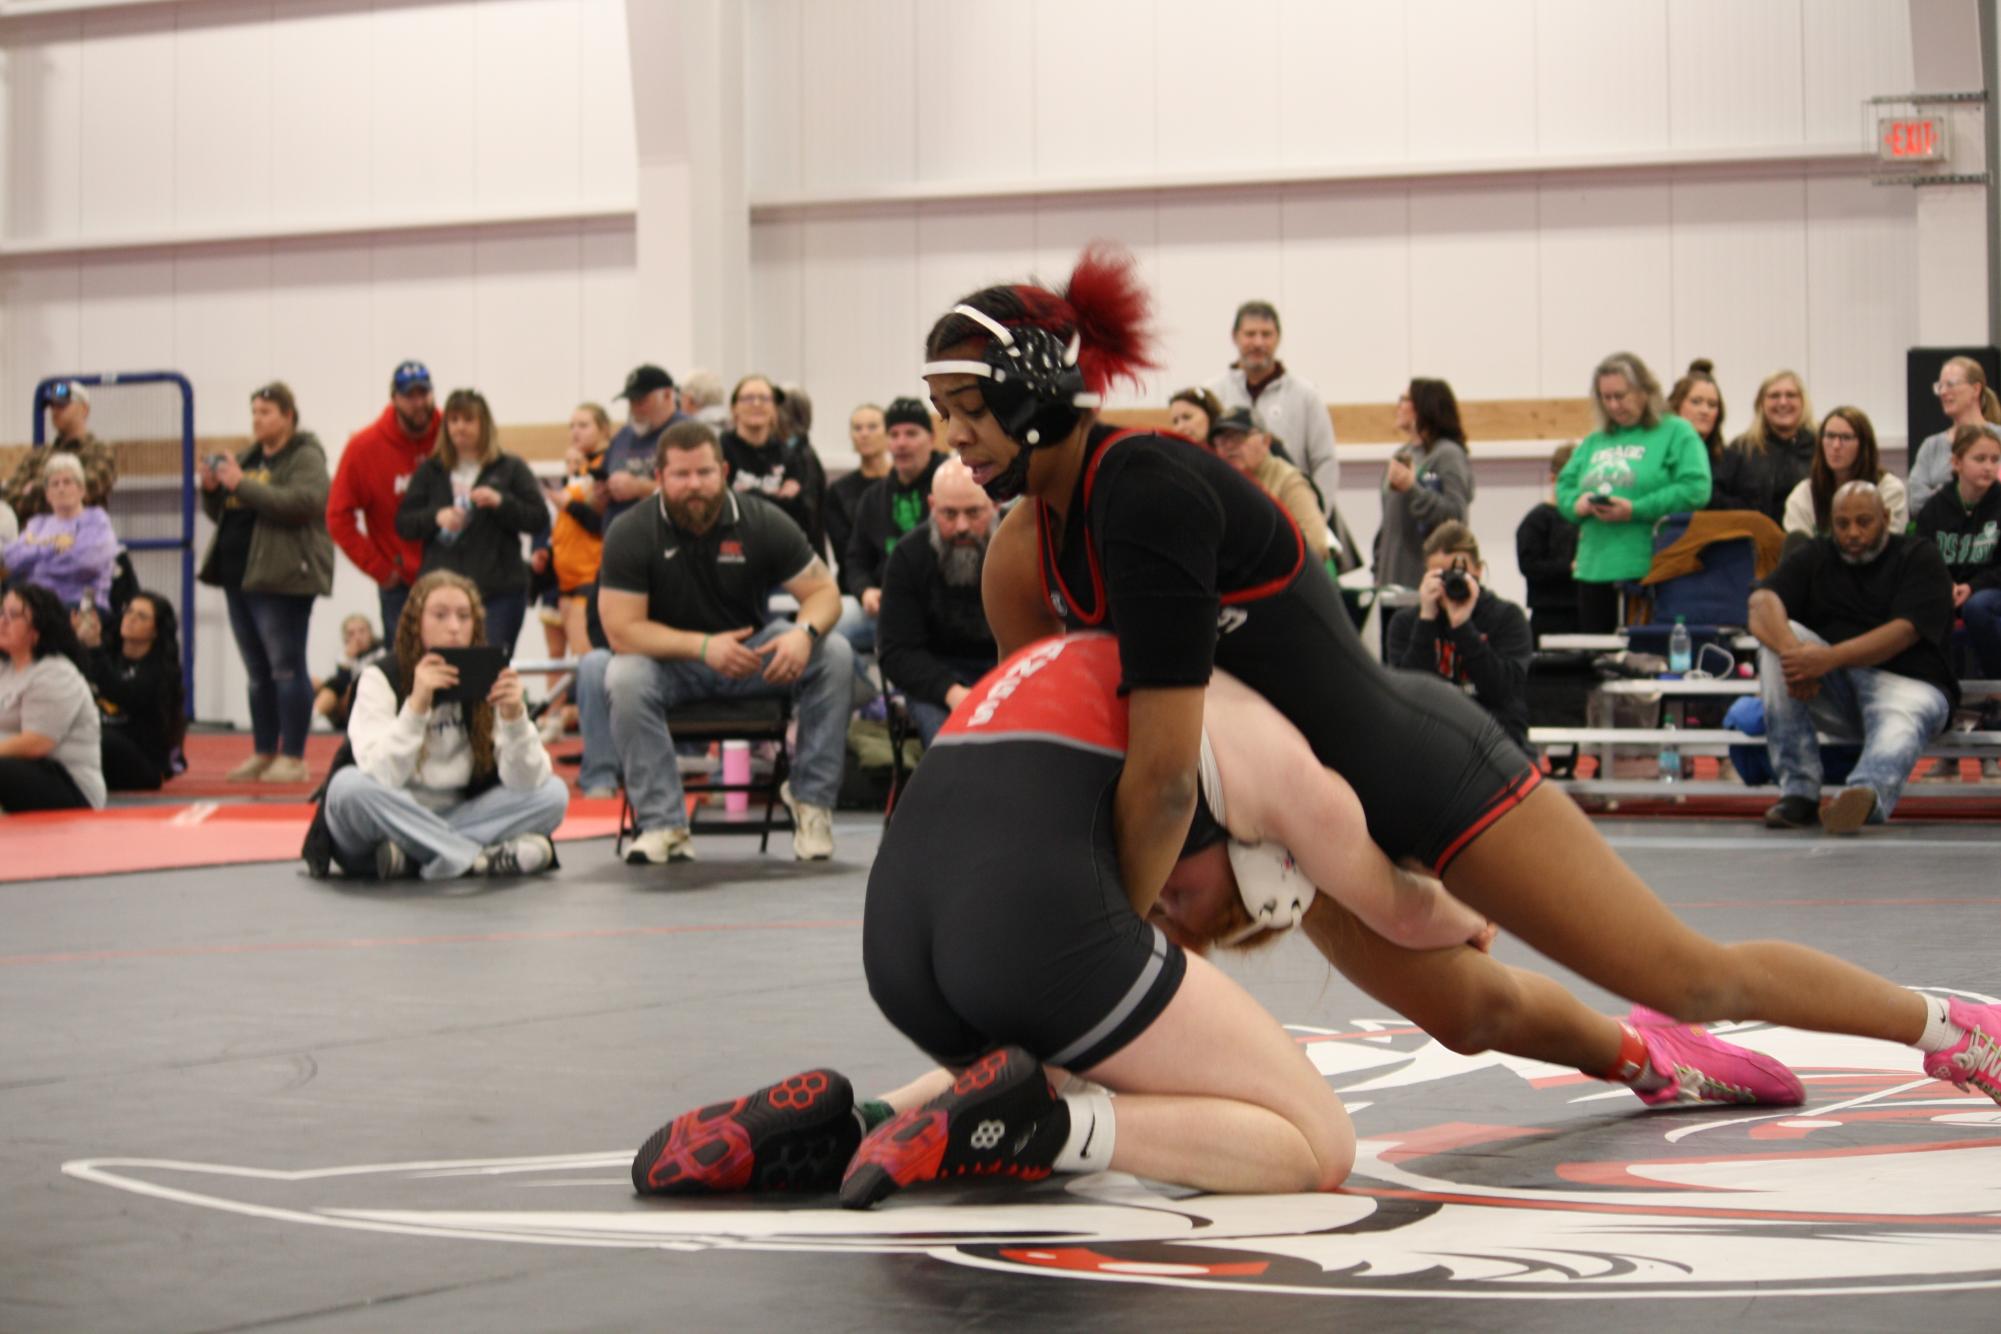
(1103, 304)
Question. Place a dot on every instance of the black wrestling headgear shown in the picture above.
(1030, 381)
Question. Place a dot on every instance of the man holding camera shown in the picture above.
(1466, 634)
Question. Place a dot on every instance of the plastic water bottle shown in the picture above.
(736, 771)
(1670, 755)
(1680, 656)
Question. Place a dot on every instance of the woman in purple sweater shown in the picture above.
(70, 550)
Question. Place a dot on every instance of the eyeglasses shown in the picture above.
(753, 398)
(9, 614)
(1839, 437)
(1944, 385)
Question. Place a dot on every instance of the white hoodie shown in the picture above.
(431, 753)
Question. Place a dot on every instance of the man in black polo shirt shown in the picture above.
(1853, 627)
(682, 594)
(933, 640)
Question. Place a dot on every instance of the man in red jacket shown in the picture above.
(374, 472)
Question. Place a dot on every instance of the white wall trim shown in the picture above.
(1842, 159)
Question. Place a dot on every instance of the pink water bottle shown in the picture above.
(736, 771)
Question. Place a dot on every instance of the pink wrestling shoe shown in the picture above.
(1702, 1068)
(1974, 1062)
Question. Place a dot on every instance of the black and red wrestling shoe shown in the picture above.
(999, 1119)
(795, 1135)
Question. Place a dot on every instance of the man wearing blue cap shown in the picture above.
(374, 472)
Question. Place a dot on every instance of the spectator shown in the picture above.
(440, 788)
(1638, 466)
(702, 399)
(68, 547)
(1239, 437)
(1428, 481)
(141, 699)
(868, 434)
(470, 504)
(1698, 400)
(271, 556)
(683, 595)
(795, 413)
(69, 414)
(1193, 413)
(1762, 466)
(49, 733)
(1465, 633)
(1292, 410)
(764, 461)
(577, 540)
(889, 508)
(1964, 521)
(1546, 551)
(934, 635)
(374, 472)
(333, 698)
(651, 406)
(1853, 627)
(1847, 451)
(1964, 397)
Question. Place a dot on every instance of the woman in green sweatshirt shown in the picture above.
(1640, 465)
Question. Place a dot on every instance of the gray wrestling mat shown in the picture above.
(242, 1100)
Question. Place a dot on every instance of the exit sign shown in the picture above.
(1911, 139)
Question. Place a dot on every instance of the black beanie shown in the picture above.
(906, 412)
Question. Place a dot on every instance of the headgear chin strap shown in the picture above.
(1030, 381)
(1274, 890)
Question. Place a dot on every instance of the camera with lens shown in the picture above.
(1457, 587)
(215, 462)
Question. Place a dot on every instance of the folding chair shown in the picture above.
(749, 720)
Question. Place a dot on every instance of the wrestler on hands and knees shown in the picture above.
(1035, 943)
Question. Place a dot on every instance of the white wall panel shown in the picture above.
(1853, 50)
(422, 105)
(1341, 73)
(859, 126)
(44, 129)
(1607, 262)
(1101, 121)
(613, 336)
(772, 119)
(1216, 252)
(40, 320)
(1740, 283)
(962, 248)
(322, 341)
(778, 300)
(1215, 101)
(528, 317)
(528, 103)
(1346, 297)
(607, 151)
(1861, 297)
(223, 155)
(322, 165)
(126, 309)
(223, 311)
(1601, 84)
(960, 138)
(860, 322)
(1063, 229)
(423, 304)
(126, 149)
(1473, 95)
(1474, 290)
(1734, 72)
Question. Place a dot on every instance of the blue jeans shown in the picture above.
(642, 689)
(856, 626)
(930, 717)
(392, 597)
(1892, 716)
(1982, 614)
(363, 811)
(270, 631)
(600, 768)
(504, 614)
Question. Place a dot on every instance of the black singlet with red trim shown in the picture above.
(1192, 565)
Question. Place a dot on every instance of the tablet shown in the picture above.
(478, 666)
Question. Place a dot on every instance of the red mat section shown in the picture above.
(56, 844)
(213, 754)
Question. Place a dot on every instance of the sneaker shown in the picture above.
(812, 827)
(250, 769)
(999, 1118)
(1850, 810)
(392, 863)
(797, 1135)
(285, 769)
(550, 729)
(600, 793)
(1792, 813)
(524, 854)
(1702, 1068)
(655, 846)
(1975, 1061)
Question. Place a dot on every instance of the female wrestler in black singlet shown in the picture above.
(1192, 566)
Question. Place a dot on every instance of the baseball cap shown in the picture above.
(61, 392)
(1237, 421)
(411, 375)
(644, 380)
(906, 411)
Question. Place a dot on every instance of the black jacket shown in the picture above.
(844, 498)
(1490, 652)
(1545, 549)
(1743, 478)
(888, 509)
(1968, 539)
(929, 629)
(488, 549)
(763, 471)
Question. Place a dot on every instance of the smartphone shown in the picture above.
(479, 666)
